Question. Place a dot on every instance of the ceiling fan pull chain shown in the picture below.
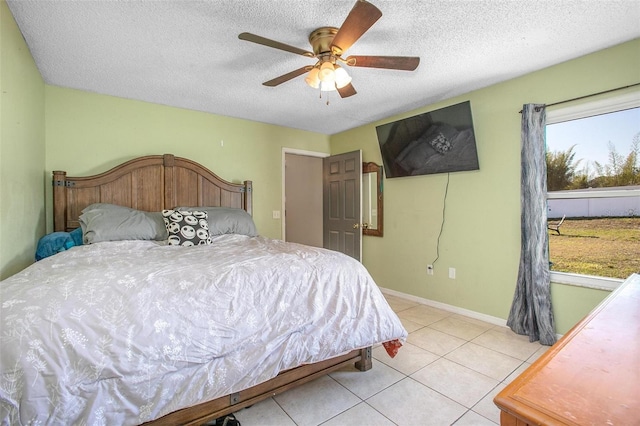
(326, 95)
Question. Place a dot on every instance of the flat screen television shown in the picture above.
(440, 141)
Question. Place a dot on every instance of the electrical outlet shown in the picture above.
(452, 273)
(429, 269)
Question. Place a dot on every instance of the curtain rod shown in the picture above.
(589, 96)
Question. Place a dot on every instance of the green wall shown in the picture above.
(86, 132)
(83, 132)
(481, 234)
(571, 304)
(22, 151)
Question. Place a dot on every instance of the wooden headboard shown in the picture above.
(150, 183)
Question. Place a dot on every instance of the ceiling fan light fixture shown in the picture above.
(327, 72)
(312, 78)
(342, 77)
(327, 86)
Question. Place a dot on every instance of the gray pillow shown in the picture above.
(227, 220)
(106, 223)
(105, 206)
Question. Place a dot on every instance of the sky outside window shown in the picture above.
(591, 136)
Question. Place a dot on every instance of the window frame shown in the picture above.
(574, 112)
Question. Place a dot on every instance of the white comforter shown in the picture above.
(125, 332)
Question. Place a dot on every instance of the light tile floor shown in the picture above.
(447, 373)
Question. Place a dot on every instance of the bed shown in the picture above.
(132, 329)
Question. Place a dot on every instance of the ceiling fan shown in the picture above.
(329, 43)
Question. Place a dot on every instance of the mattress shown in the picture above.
(125, 332)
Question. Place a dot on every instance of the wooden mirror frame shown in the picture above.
(374, 168)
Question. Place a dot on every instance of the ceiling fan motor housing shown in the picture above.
(321, 40)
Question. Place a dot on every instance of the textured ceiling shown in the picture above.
(187, 53)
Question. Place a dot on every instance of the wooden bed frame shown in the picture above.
(150, 183)
(157, 182)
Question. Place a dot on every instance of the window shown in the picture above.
(593, 180)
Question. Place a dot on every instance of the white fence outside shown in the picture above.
(595, 202)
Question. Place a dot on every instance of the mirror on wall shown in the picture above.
(372, 199)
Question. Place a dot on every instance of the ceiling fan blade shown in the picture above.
(360, 19)
(347, 91)
(288, 76)
(275, 44)
(405, 63)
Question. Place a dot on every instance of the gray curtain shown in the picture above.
(531, 312)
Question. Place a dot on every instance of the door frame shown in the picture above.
(285, 150)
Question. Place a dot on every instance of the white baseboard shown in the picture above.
(445, 307)
(450, 308)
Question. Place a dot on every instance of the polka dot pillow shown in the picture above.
(187, 228)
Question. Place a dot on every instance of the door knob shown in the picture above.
(356, 225)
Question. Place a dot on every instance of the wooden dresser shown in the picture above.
(589, 377)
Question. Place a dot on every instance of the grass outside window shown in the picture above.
(604, 247)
